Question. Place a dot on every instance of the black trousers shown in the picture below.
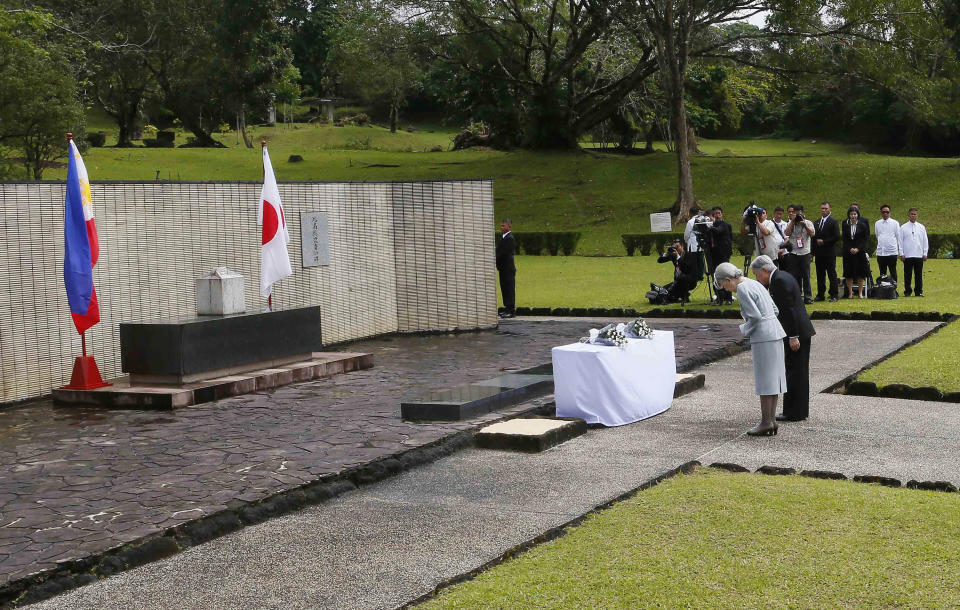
(508, 289)
(715, 259)
(826, 268)
(912, 266)
(799, 267)
(888, 264)
(796, 401)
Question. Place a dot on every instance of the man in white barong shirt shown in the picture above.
(913, 251)
(887, 231)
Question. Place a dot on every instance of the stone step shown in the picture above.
(529, 434)
(123, 395)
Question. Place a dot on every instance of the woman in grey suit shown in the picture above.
(766, 342)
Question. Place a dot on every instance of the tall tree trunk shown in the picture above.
(394, 111)
(243, 129)
(672, 34)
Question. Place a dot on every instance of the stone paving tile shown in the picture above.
(80, 480)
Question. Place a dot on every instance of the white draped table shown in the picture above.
(613, 386)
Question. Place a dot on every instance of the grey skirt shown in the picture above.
(769, 374)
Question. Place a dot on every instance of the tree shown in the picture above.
(569, 63)
(38, 89)
(251, 55)
(116, 36)
(372, 52)
(312, 21)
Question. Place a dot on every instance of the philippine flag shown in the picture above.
(81, 248)
(274, 260)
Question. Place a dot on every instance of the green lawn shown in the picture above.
(721, 540)
(932, 362)
(578, 281)
(600, 193)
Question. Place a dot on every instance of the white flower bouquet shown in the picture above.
(638, 329)
(611, 334)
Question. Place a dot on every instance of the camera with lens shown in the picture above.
(671, 250)
(750, 215)
(787, 246)
(701, 228)
(798, 217)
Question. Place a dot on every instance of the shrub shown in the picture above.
(533, 243)
(166, 138)
(97, 139)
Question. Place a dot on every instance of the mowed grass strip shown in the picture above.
(599, 193)
(577, 281)
(720, 540)
(932, 362)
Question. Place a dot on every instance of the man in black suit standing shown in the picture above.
(721, 248)
(506, 268)
(825, 251)
(785, 293)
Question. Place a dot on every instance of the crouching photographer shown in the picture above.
(684, 271)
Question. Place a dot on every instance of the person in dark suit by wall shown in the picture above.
(825, 252)
(793, 317)
(506, 268)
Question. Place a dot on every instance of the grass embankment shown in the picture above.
(576, 281)
(600, 193)
(724, 540)
(932, 362)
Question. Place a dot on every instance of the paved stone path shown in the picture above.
(392, 542)
(78, 481)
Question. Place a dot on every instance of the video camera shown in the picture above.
(750, 214)
(701, 228)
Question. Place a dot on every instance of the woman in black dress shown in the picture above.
(856, 266)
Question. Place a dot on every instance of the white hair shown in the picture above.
(762, 262)
(726, 271)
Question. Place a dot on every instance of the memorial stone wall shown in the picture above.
(403, 256)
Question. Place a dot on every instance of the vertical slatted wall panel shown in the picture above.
(404, 256)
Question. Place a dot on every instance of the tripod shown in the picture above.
(705, 258)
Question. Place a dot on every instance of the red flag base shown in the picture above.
(86, 375)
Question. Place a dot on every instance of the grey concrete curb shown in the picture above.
(552, 533)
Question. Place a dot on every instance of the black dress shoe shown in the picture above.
(833, 299)
(808, 301)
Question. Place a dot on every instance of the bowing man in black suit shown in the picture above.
(793, 317)
(506, 268)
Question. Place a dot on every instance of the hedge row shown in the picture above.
(942, 245)
(629, 312)
(535, 242)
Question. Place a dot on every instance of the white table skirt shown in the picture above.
(614, 386)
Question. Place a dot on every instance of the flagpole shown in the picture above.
(86, 375)
(263, 174)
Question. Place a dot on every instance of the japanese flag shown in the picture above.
(274, 260)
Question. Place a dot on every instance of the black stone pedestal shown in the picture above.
(178, 351)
